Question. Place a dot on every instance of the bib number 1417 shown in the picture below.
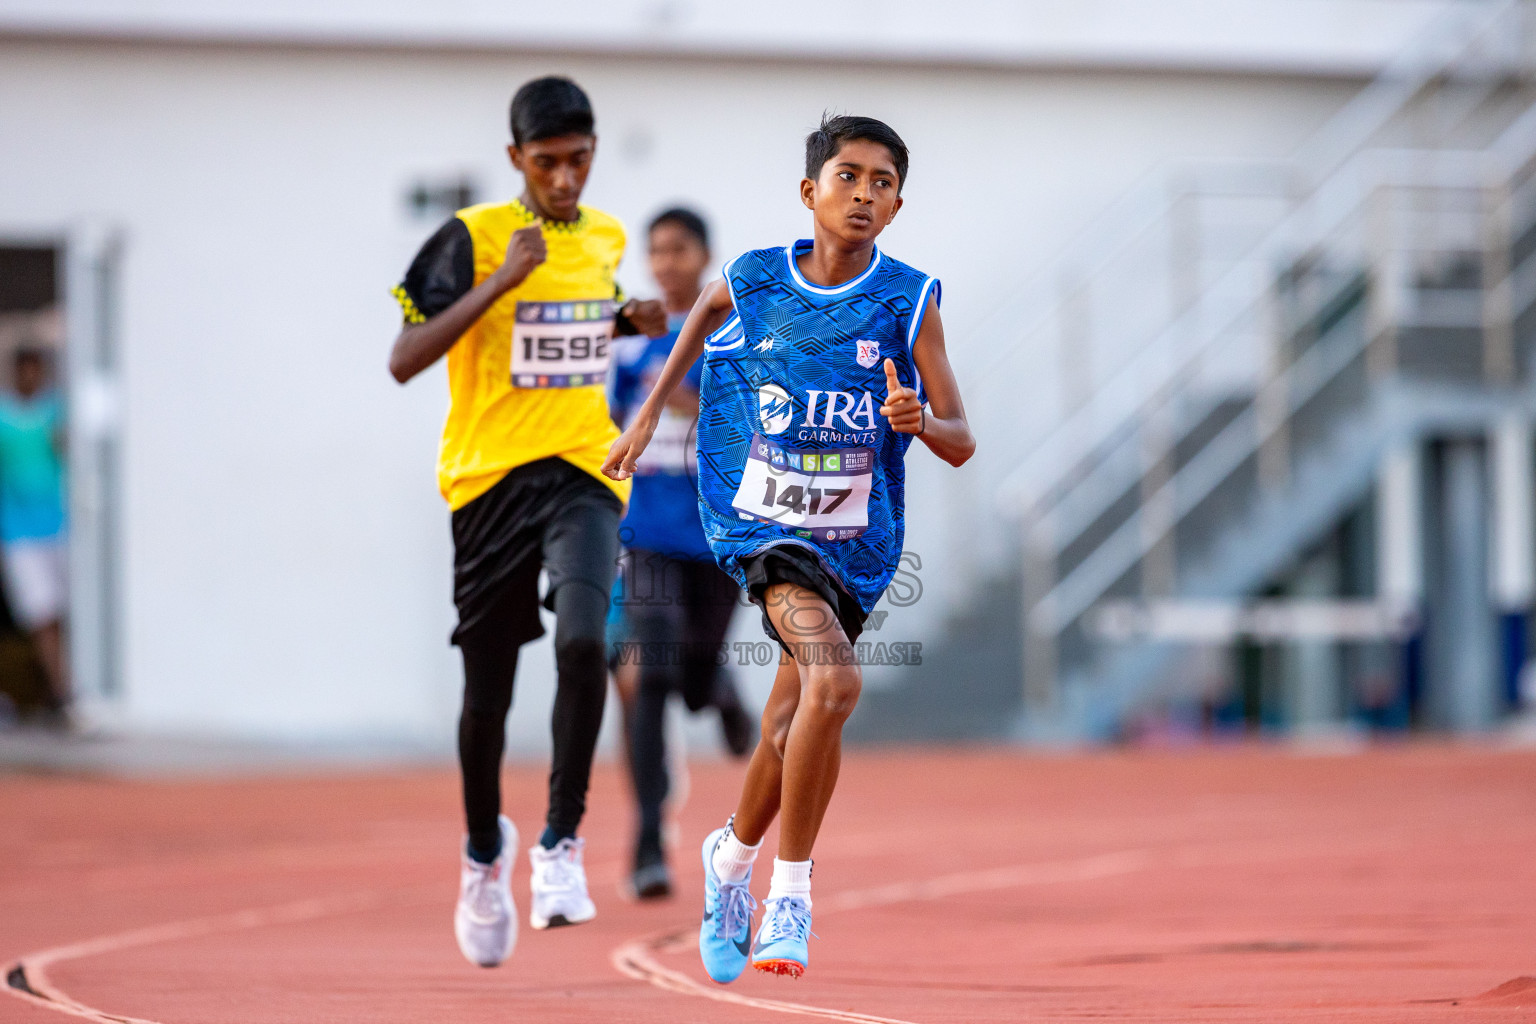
(823, 495)
(802, 499)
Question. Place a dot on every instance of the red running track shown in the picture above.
(1397, 885)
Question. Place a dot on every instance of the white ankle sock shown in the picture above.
(790, 878)
(733, 858)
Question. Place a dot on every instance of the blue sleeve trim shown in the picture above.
(730, 288)
(729, 335)
(920, 308)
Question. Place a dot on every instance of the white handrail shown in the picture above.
(1513, 154)
(1369, 170)
(1503, 161)
(1322, 159)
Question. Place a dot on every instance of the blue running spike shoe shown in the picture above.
(784, 940)
(725, 937)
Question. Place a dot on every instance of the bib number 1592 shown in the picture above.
(561, 344)
(555, 348)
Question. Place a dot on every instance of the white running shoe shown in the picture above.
(560, 885)
(485, 921)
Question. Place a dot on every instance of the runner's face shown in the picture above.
(554, 172)
(29, 377)
(855, 196)
(678, 261)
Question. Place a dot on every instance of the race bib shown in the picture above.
(820, 495)
(561, 344)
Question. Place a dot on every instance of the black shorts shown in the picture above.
(797, 564)
(686, 602)
(544, 515)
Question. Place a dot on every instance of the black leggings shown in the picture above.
(678, 620)
(490, 662)
(552, 516)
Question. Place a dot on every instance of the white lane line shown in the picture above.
(32, 969)
(635, 958)
(1082, 869)
(41, 991)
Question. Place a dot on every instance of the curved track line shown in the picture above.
(635, 958)
(28, 979)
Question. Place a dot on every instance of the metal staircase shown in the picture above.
(1237, 347)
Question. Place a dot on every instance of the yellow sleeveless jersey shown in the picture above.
(527, 381)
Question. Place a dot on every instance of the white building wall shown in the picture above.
(1306, 36)
(287, 556)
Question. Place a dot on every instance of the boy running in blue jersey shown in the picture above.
(804, 424)
(675, 602)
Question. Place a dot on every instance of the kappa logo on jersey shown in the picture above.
(774, 408)
(868, 353)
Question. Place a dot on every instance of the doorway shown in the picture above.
(34, 576)
(58, 301)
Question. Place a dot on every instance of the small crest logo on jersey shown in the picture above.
(774, 408)
(868, 353)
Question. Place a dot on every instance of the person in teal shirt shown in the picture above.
(32, 518)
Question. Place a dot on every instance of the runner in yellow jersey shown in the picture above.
(521, 298)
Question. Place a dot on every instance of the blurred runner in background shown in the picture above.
(36, 562)
(674, 602)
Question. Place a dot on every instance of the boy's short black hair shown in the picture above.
(823, 143)
(684, 218)
(549, 107)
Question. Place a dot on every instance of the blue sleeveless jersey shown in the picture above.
(792, 448)
(663, 514)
